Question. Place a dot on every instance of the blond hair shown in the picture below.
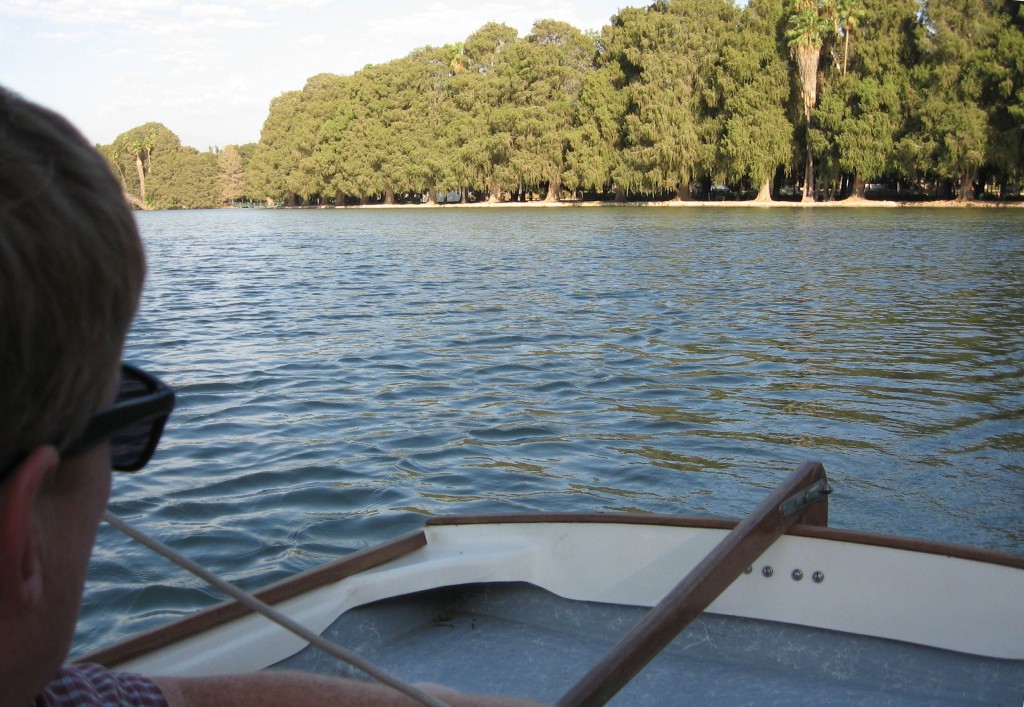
(71, 271)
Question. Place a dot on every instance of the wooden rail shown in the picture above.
(712, 576)
(206, 619)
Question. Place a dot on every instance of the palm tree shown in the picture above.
(458, 53)
(148, 144)
(136, 149)
(807, 27)
(849, 13)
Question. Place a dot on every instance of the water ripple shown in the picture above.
(342, 374)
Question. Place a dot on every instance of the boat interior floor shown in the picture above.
(516, 639)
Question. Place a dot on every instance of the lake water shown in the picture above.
(343, 374)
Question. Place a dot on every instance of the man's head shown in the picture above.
(71, 271)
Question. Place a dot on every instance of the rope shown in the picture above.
(273, 614)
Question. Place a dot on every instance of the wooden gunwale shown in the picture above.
(896, 542)
(227, 611)
(222, 613)
(700, 587)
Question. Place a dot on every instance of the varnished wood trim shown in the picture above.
(809, 531)
(610, 517)
(357, 562)
(206, 619)
(695, 592)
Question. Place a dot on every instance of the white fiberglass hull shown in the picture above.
(938, 596)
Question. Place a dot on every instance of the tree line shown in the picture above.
(800, 99)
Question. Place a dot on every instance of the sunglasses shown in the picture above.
(133, 424)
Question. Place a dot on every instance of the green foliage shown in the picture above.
(283, 165)
(595, 157)
(965, 82)
(187, 179)
(158, 172)
(1005, 95)
(553, 65)
(756, 137)
(669, 57)
(231, 174)
(481, 138)
(863, 105)
(681, 92)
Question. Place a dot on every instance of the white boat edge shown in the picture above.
(931, 594)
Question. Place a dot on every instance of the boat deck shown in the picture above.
(516, 639)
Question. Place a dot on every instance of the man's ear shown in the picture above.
(20, 562)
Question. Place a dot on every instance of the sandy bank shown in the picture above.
(844, 204)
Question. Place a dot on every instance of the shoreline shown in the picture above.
(844, 204)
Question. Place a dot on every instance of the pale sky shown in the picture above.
(208, 70)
